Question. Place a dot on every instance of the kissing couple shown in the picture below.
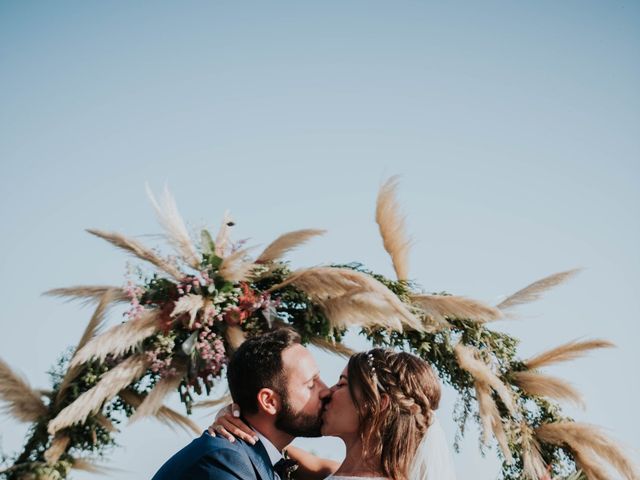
(382, 408)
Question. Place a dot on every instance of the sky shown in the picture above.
(514, 127)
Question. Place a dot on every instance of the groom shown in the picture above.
(276, 383)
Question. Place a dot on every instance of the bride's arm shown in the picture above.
(311, 467)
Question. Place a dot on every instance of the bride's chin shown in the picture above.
(326, 430)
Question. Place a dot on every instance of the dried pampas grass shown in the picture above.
(533, 464)
(440, 307)
(96, 321)
(91, 401)
(58, 447)
(191, 304)
(592, 450)
(235, 336)
(470, 360)
(484, 381)
(392, 228)
(21, 401)
(325, 286)
(223, 400)
(491, 419)
(236, 268)
(285, 243)
(105, 423)
(166, 415)
(88, 294)
(153, 402)
(174, 227)
(120, 339)
(565, 352)
(140, 251)
(365, 309)
(541, 385)
(534, 291)
(332, 347)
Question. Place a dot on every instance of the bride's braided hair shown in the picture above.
(395, 394)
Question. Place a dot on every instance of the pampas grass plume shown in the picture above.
(119, 339)
(137, 249)
(88, 293)
(176, 232)
(91, 401)
(392, 228)
(565, 352)
(441, 307)
(285, 243)
(535, 290)
(541, 385)
(21, 401)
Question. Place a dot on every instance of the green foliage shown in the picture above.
(257, 307)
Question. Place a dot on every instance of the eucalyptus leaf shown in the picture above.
(189, 344)
(208, 245)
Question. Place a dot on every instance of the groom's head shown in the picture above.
(273, 376)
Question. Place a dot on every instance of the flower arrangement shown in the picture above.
(185, 320)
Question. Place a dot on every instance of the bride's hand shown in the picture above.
(228, 424)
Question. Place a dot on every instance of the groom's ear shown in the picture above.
(268, 401)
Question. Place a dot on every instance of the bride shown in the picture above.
(382, 408)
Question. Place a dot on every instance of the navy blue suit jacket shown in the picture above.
(209, 458)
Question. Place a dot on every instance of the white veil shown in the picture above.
(433, 459)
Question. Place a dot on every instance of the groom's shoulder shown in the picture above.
(207, 443)
(204, 454)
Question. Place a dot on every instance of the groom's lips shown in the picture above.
(324, 409)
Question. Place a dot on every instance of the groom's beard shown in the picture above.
(298, 424)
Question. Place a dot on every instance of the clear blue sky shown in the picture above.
(514, 125)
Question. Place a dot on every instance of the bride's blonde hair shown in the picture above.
(391, 428)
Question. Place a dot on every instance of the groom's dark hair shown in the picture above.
(257, 364)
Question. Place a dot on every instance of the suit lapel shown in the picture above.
(260, 460)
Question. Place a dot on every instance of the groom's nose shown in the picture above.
(325, 392)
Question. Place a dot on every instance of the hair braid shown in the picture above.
(395, 394)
